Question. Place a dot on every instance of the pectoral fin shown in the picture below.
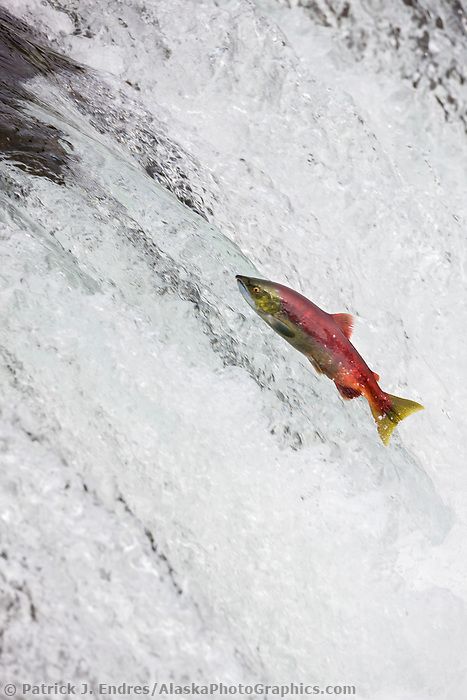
(346, 392)
(345, 323)
(280, 328)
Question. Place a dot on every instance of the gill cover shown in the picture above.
(261, 295)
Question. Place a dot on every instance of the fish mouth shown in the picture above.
(241, 281)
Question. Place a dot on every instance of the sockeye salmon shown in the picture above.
(325, 340)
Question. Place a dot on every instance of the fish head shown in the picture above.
(262, 295)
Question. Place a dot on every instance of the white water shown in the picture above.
(182, 497)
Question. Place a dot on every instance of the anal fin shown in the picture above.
(346, 392)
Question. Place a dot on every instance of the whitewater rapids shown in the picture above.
(182, 497)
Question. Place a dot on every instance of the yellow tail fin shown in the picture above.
(400, 409)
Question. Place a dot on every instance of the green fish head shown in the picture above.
(261, 295)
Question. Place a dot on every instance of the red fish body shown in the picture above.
(325, 340)
(329, 345)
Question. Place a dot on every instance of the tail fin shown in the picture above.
(387, 421)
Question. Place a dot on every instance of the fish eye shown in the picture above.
(256, 290)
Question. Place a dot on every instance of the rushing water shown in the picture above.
(182, 498)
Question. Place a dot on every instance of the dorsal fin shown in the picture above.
(345, 323)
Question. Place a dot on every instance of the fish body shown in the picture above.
(325, 340)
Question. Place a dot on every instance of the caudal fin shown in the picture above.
(387, 421)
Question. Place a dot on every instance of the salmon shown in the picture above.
(325, 340)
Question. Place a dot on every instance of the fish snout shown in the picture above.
(241, 281)
(244, 291)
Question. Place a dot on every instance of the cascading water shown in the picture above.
(182, 498)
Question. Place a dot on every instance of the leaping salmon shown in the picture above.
(325, 340)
